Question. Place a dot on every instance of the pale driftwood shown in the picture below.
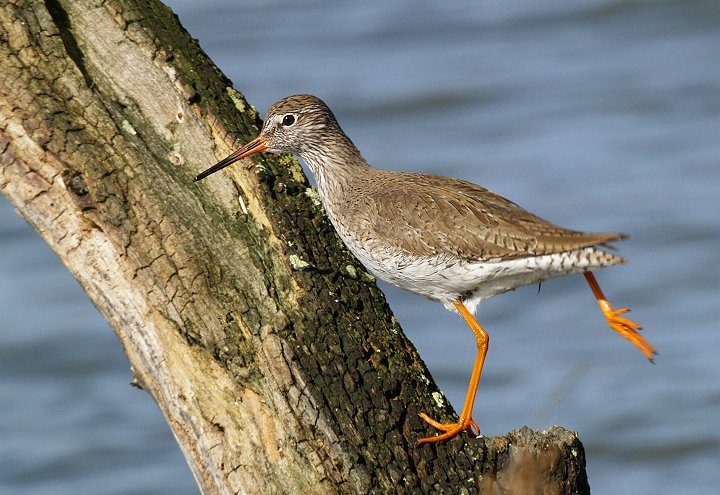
(269, 350)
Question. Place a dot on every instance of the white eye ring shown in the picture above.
(288, 120)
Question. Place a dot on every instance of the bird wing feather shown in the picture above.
(431, 215)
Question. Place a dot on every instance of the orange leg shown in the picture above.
(623, 326)
(465, 422)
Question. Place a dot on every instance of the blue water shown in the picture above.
(598, 115)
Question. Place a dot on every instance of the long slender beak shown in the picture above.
(257, 145)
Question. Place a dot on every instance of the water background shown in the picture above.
(598, 115)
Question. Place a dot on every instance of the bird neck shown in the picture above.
(334, 164)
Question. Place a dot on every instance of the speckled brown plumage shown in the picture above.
(424, 214)
(429, 214)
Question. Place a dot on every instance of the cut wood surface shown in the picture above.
(272, 354)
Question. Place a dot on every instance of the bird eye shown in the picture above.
(288, 119)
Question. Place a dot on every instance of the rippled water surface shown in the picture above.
(598, 115)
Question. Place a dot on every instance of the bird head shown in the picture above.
(296, 124)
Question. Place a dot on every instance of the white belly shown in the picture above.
(446, 279)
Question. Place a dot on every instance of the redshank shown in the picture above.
(446, 239)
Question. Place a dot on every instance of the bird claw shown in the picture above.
(450, 429)
(626, 327)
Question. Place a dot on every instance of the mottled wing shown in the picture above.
(431, 215)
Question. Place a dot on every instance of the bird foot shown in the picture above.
(450, 429)
(626, 327)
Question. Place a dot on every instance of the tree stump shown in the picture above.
(270, 351)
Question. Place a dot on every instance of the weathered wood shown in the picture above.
(270, 351)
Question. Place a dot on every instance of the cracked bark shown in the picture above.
(271, 353)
